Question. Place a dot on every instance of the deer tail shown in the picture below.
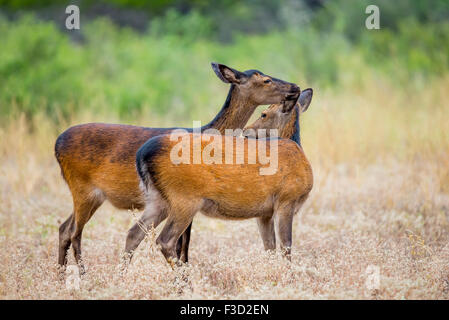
(145, 160)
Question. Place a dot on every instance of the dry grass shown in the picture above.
(381, 198)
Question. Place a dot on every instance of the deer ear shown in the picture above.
(228, 75)
(289, 103)
(305, 98)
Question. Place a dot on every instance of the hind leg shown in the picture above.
(155, 212)
(65, 232)
(151, 218)
(177, 223)
(85, 207)
(182, 246)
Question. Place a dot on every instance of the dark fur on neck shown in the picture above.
(234, 114)
(296, 136)
(291, 130)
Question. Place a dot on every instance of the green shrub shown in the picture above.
(166, 70)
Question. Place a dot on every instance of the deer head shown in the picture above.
(257, 86)
(283, 116)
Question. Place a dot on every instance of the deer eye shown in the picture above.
(264, 115)
(267, 81)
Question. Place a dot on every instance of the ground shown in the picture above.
(376, 225)
(345, 246)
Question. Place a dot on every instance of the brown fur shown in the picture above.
(232, 185)
(226, 191)
(273, 119)
(98, 160)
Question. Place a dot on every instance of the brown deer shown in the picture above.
(98, 160)
(225, 191)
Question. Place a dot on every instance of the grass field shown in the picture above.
(380, 200)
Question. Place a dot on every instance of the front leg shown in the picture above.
(266, 229)
(285, 225)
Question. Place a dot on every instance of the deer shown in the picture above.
(177, 191)
(97, 160)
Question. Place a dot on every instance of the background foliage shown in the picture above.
(161, 65)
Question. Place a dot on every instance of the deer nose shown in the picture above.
(294, 88)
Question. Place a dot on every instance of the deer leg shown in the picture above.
(168, 238)
(151, 217)
(182, 246)
(284, 226)
(266, 229)
(85, 207)
(65, 231)
(179, 246)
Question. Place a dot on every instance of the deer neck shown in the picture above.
(235, 112)
(291, 130)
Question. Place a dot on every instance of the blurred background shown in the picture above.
(133, 58)
(148, 63)
(376, 134)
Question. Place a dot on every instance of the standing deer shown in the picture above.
(98, 160)
(225, 191)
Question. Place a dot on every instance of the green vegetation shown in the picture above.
(166, 68)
